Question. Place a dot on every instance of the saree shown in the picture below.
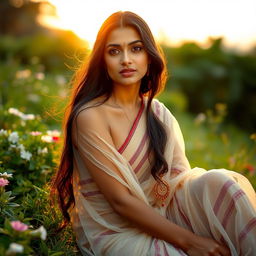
(219, 203)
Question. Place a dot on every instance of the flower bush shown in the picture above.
(6, 206)
(16, 238)
(28, 155)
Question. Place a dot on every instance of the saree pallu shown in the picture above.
(220, 204)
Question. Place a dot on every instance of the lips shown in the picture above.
(127, 70)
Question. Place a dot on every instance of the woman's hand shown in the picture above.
(207, 247)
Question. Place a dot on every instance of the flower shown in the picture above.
(3, 132)
(13, 137)
(41, 231)
(19, 226)
(3, 182)
(25, 155)
(14, 248)
(46, 138)
(55, 138)
(53, 133)
(35, 133)
(27, 117)
(6, 175)
(15, 112)
(23, 116)
(42, 151)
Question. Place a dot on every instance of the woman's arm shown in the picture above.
(121, 199)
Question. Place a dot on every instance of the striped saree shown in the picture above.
(217, 203)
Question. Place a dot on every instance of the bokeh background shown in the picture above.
(210, 48)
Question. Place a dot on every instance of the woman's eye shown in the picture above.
(113, 52)
(136, 48)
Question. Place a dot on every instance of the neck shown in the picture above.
(126, 96)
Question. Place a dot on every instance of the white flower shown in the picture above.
(53, 133)
(47, 138)
(6, 175)
(15, 248)
(23, 116)
(27, 117)
(13, 137)
(15, 112)
(41, 231)
(25, 155)
(3, 132)
(42, 151)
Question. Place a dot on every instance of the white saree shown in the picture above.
(220, 204)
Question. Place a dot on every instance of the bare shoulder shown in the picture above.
(91, 116)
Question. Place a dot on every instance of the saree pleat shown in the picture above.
(217, 203)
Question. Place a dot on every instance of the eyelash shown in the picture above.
(134, 49)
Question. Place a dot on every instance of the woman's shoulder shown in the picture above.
(162, 112)
(91, 113)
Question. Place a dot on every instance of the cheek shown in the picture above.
(111, 64)
(143, 62)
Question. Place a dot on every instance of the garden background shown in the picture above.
(211, 91)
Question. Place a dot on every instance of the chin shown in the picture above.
(127, 81)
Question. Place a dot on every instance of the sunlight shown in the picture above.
(171, 21)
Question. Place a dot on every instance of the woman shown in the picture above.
(124, 178)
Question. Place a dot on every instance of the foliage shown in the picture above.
(28, 155)
(30, 88)
(215, 75)
(54, 51)
(212, 144)
(34, 80)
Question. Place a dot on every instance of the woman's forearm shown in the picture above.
(151, 222)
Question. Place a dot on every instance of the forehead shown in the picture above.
(122, 36)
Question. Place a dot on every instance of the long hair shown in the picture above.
(92, 81)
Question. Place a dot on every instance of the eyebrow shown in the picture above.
(118, 45)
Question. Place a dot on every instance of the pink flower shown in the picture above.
(35, 133)
(3, 182)
(19, 226)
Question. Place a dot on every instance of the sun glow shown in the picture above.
(171, 21)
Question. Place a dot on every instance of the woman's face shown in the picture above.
(125, 57)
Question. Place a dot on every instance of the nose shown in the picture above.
(125, 60)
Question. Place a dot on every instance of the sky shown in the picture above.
(171, 21)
